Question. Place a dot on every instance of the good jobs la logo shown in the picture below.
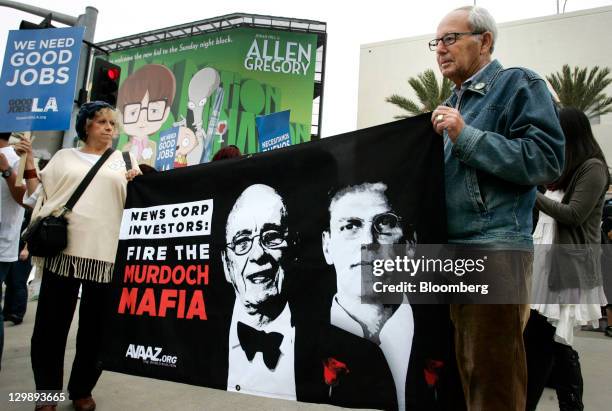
(150, 355)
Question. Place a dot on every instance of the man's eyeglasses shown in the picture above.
(384, 226)
(155, 111)
(451, 38)
(270, 239)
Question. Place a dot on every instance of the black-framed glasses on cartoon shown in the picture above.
(270, 239)
(155, 111)
(451, 38)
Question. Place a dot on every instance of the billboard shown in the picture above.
(38, 79)
(209, 89)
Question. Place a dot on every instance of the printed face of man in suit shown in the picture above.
(256, 240)
(359, 215)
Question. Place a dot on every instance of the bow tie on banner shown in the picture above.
(253, 340)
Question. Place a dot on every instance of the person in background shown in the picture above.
(16, 281)
(606, 261)
(11, 216)
(16, 293)
(87, 261)
(570, 213)
(227, 152)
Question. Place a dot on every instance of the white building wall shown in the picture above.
(582, 38)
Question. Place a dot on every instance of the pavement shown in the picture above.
(116, 391)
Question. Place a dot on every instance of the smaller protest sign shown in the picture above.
(273, 130)
(166, 149)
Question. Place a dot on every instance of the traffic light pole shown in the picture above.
(87, 20)
(39, 11)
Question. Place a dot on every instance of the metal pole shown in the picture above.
(319, 131)
(87, 20)
(39, 11)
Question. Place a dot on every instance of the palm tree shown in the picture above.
(428, 91)
(583, 91)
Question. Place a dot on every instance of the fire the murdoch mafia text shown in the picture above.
(159, 289)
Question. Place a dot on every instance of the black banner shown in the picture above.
(244, 274)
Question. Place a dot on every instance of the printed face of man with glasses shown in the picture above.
(359, 215)
(256, 239)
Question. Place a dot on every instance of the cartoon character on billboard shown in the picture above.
(186, 142)
(144, 101)
(202, 85)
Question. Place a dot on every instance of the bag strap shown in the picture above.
(127, 159)
(90, 175)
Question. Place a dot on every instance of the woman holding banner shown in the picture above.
(87, 261)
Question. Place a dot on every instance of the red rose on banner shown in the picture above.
(431, 371)
(332, 370)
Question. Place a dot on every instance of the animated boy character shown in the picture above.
(145, 98)
(187, 141)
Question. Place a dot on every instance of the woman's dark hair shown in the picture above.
(86, 114)
(580, 144)
(227, 152)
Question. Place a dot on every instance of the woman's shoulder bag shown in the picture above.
(48, 236)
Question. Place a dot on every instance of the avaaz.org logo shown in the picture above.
(151, 355)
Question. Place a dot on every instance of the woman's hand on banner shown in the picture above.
(131, 174)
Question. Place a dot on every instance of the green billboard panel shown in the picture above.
(182, 100)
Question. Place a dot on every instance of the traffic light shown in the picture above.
(45, 24)
(105, 82)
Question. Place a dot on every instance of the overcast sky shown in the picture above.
(349, 24)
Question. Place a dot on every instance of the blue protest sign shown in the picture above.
(38, 79)
(166, 149)
(273, 131)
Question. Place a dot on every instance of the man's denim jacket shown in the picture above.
(511, 142)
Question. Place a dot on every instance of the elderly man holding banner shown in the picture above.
(502, 138)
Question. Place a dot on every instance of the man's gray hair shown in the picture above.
(480, 20)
